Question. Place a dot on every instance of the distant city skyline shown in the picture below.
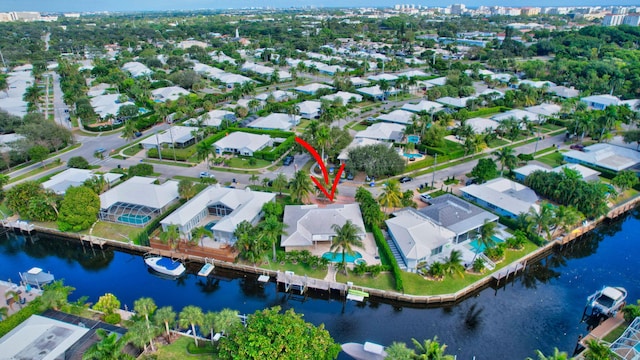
(162, 5)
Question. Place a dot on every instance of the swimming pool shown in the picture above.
(134, 219)
(413, 139)
(480, 247)
(333, 257)
(210, 225)
(412, 156)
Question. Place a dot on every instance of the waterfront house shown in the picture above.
(607, 156)
(587, 174)
(242, 143)
(416, 237)
(459, 216)
(310, 225)
(168, 93)
(502, 196)
(275, 121)
(220, 210)
(59, 183)
(382, 131)
(137, 201)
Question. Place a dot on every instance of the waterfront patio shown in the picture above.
(369, 249)
(27, 296)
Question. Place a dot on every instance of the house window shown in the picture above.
(436, 251)
(219, 210)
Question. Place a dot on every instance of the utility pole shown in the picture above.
(435, 163)
(158, 144)
(4, 64)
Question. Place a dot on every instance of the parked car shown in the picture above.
(288, 160)
(425, 198)
(470, 182)
(405, 179)
(349, 176)
(206, 174)
(137, 134)
(578, 147)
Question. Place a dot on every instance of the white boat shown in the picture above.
(165, 265)
(366, 351)
(206, 270)
(607, 301)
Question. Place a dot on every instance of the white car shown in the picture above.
(205, 174)
(425, 198)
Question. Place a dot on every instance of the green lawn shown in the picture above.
(550, 127)
(615, 333)
(243, 163)
(383, 281)
(298, 269)
(554, 159)
(109, 230)
(497, 142)
(132, 150)
(177, 350)
(359, 127)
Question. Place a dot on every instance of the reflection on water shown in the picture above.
(541, 309)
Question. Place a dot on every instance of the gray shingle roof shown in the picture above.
(309, 223)
(456, 214)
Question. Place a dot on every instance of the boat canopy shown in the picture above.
(373, 348)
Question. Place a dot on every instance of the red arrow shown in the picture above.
(325, 173)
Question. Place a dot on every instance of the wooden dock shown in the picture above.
(23, 226)
(512, 269)
(301, 284)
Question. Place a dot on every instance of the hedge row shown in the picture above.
(487, 111)
(277, 152)
(16, 319)
(386, 252)
(143, 237)
(167, 154)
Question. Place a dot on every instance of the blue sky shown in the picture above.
(153, 5)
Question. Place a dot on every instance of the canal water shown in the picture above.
(541, 309)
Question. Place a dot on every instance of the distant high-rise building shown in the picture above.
(632, 19)
(619, 10)
(457, 9)
(612, 19)
(529, 11)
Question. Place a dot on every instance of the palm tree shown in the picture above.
(141, 334)
(55, 295)
(12, 295)
(391, 196)
(597, 350)
(203, 151)
(280, 182)
(271, 230)
(301, 187)
(129, 130)
(145, 306)
(487, 231)
(453, 264)
(323, 138)
(191, 316)
(226, 320)
(346, 236)
(108, 348)
(4, 312)
(542, 219)
(200, 232)
(209, 323)
(254, 178)
(431, 349)
(171, 236)
(506, 156)
(165, 315)
(557, 355)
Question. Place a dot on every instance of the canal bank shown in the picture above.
(496, 279)
(540, 309)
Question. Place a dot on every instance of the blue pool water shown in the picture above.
(413, 139)
(142, 110)
(134, 219)
(480, 248)
(333, 257)
(412, 156)
(210, 225)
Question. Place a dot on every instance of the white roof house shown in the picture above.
(375, 92)
(309, 109)
(358, 142)
(310, 224)
(168, 93)
(137, 69)
(545, 110)
(275, 121)
(634, 104)
(358, 81)
(11, 99)
(108, 104)
(278, 95)
(481, 125)
(440, 81)
(424, 105)
(231, 79)
(397, 116)
(564, 92)
(59, 183)
(600, 102)
(383, 76)
(137, 200)
(225, 207)
(242, 143)
(213, 118)
(312, 88)
(412, 73)
(189, 43)
(173, 135)
(346, 97)
(207, 70)
(265, 70)
(219, 56)
(418, 238)
(522, 172)
(608, 156)
(587, 174)
(503, 196)
(455, 102)
(536, 84)
(97, 89)
(41, 338)
(383, 131)
(517, 114)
